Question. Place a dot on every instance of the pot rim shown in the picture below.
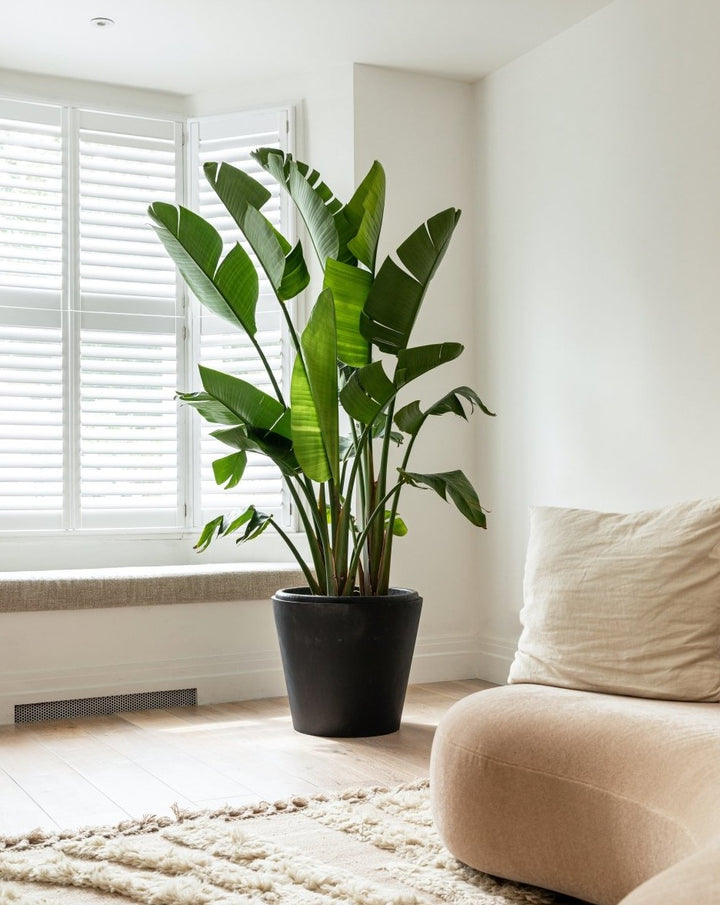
(304, 595)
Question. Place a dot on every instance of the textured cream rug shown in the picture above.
(371, 847)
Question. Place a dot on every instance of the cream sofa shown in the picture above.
(607, 798)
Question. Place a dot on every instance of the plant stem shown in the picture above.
(386, 554)
(310, 534)
(376, 540)
(310, 578)
(269, 371)
(330, 588)
(379, 509)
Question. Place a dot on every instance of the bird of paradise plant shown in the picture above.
(331, 439)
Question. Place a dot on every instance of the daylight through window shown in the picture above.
(96, 331)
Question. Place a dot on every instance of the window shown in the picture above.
(96, 330)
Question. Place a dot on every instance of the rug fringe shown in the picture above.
(154, 823)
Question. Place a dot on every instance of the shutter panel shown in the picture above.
(128, 415)
(31, 337)
(231, 139)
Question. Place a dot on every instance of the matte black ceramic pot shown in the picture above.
(346, 659)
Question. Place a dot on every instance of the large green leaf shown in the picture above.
(329, 223)
(396, 295)
(255, 523)
(243, 196)
(210, 408)
(229, 290)
(451, 403)
(411, 418)
(295, 274)
(346, 233)
(267, 243)
(251, 519)
(367, 392)
(350, 286)
(315, 202)
(229, 470)
(316, 214)
(364, 212)
(313, 394)
(236, 188)
(252, 406)
(412, 363)
(274, 446)
(454, 487)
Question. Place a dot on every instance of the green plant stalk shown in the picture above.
(309, 577)
(295, 339)
(378, 510)
(338, 542)
(345, 522)
(325, 542)
(320, 537)
(362, 494)
(377, 536)
(361, 482)
(308, 526)
(268, 369)
(317, 517)
(361, 474)
(386, 555)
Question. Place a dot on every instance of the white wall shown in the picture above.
(599, 184)
(138, 101)
(421, 129)
(325, 115)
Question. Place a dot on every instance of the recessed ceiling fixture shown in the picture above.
(102, 22)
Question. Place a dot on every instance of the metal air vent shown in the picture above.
(107, 704)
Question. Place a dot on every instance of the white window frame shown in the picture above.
(93, 547)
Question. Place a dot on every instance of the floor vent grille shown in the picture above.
(107, 704)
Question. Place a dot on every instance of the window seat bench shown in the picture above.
(131, 586)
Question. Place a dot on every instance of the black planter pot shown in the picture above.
(346, 659)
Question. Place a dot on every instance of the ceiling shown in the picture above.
(190, 46)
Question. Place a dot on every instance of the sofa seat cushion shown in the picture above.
(587, 794)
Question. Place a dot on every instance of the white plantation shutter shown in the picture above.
(31, 326)
(127, 348)
(230, 140)
(97, 332)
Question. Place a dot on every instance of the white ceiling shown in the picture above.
(188, 46)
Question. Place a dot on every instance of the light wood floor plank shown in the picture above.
(100, 770)
(19, 813)
(63, 794)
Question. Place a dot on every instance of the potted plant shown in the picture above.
(347, 638)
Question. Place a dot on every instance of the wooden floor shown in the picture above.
(102, 770)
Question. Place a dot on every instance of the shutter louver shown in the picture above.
(230, 140)
(128, 416)
(31, 338)
(95, 337)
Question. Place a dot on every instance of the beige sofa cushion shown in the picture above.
(594, 795)
(623, 603)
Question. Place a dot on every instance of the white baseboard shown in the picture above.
(445, 657)
(494, 658)
(236, 677)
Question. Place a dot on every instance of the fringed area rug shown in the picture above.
(368, 847)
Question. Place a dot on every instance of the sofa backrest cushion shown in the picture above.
(623, 603)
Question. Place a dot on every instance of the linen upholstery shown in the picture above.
(81, 589)
(607, 798)
(623, 603)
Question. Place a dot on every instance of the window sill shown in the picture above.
(82, 589)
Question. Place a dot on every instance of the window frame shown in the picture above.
(80, 547)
